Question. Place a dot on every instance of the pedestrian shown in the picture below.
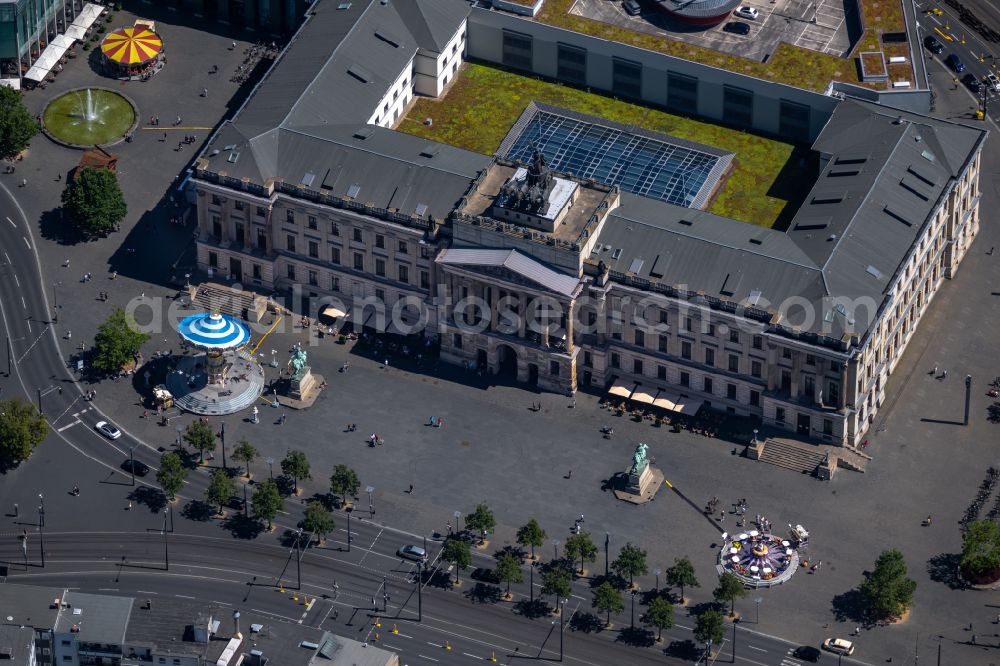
(58, 177)
(722, 516)
(569, 475)
(573, 404)
(164, 137)
(114, 274)
(24, 182)
(142, 296)
(204, 92)
(69, 334)
(386, 364)
(944, 374)
(410, 491)
(232, 47)
(16, 511)
(145, 414)
(129, 507)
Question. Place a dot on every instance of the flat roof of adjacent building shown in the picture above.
(99, 618)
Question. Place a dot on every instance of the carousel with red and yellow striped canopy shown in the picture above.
(133, 49)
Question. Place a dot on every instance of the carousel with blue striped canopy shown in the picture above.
(226, 378)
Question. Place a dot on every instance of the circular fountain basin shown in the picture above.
(89, 116)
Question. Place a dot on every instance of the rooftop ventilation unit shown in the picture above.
(754, 297)
(430, 150)
(617, 254)
(353, 191)
(421, 209)
(874, 272)
(363, 133)
(344, 5)
(387, 37)
(360, 73)
(308, 179)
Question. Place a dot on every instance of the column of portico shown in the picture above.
(818, 384)
(796, 375)
(494, 307)
(522, 311)
(772, 367)
(569, 328)
(844, 388)
(546, 319)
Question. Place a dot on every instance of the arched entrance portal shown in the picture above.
(506, 361)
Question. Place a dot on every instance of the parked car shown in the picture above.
(411, 552)
(747, 12)
(107, 429)
(993, 81)
(737, 28)
(807, 653)
(955, 62)
(632, 7)
(933, 45)
(972, 83)
(839, 646)
(141, 468)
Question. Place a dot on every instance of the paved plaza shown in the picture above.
(493, 448)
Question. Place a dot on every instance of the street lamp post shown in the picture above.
(270, 466)
(298, 559)
(531, 582)
(607, 543)
(385, 595)
(735, 620)
(246, 513)
(222, 439)
(757, 601)
(179, 429)
(55, 302)
(371, 505)
(555, 548)
(348, 511)
(420, 590)
(41, 529)
(708, 652)
(657, 572)
(166, 548)
(562, 618)
(632, 623)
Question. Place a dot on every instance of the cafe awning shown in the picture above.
(676, 402)
(641, 396)
(333, 312)
(622, 388)
(77, 32)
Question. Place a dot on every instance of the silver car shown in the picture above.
(108, 430)
(411, 552)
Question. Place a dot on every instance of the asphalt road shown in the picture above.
(976, 54)
(342, 592)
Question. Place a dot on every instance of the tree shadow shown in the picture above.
(687, 650)
(485, 575)
(588, 623)
(198, 510)
(532, 609)
(53, 227)
(993, 413)
(617, 581)
(943, 569)
(516, 551)
(190, 460)
(694, 610)
(285, 484)
(849, 606)
(636, 637)
(326, 499)
(243, 527)
(484, 594)
(151, 497)
(439, 579)
(287, 539)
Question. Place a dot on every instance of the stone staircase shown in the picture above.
(245, 305)
(802, 458)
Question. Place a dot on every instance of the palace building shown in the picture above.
(582, 254)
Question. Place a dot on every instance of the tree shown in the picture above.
(267, 501)
(708, 627)
(344, 482)
(980, 562)
(200, 436)
(607, 599)
(531, 534)
(730, 589)
(457, 552)
(94, 202)
(246, 453)
(557, 581)
(220, 489)
(17, 126)
(171, 474)
(581, 547)
(681, 575)
(481, 521)
(887, 590)
(117, 342)
(22, 428)
(508, 570)
(296, 466)
(660, 614)
(317, 520)
(631, 562)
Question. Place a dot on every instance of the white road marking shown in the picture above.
(423, 656)
(434, 644)
(183, 596)
(754, 647)
(148, 592)
(24, 303)
(404, 635)
(473, 656)
(26, 242)
(7, 257)
(68, 425)
(16, 281)
(391, 647)
(107, 589)
(12, 223)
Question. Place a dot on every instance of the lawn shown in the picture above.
(484, 102)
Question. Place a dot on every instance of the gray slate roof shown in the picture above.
(886, 173)
(327, 84)
(19, 641)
